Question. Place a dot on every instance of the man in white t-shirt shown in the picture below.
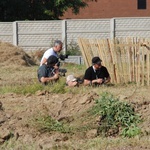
(52, 51)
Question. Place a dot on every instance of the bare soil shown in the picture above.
(18, 110)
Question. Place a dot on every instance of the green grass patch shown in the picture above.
(74, 68)
(58, 87)
(21, 89)
(13, 144)
(48, 124)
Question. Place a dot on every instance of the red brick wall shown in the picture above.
(110, 9)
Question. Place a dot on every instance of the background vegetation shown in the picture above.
(13, 10)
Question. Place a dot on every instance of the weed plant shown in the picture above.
(116, 117)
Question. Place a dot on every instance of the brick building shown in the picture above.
(112, 8)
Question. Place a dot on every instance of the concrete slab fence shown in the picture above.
(36, 35)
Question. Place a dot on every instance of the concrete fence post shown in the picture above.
(79, 60)
(64, 35)
(112, 28)
(15, 33)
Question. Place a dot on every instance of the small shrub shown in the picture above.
(73, 49)
(116, 117)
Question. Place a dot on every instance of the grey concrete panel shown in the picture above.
(142, 34)
(6, 38)
(37, 40)
(35, 48)
(132, 23)
(39, 26)
(75, 36)
(88, 25)
(6, 28)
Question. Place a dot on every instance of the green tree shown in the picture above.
(13, 10)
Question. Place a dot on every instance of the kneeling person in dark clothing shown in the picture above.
(96, 74)
(49, 72)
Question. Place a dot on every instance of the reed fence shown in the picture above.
(127, 59)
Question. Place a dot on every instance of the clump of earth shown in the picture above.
(13, 55)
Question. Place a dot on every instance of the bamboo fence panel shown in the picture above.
(127, 59)
(88, 51)
(112, 66)
(107, 62)
(82, 48)
(148, 68)
(147, 50)
(133, 49)
(142, 66)
(139, 64)
(138, 68)
(101, 51)
(118, 49)
(94, 47)
(113, 51)
(123, 68)
(130, 71)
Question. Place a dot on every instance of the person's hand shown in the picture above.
(56, 67)
(56, 76)
(100, 81)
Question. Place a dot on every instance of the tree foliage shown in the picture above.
(12, 10)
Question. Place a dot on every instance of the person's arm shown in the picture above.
(44, 61)
(98, 81)
(46, 55)
(47, 79)
(107, 76)
(87, 77)
(87, 82)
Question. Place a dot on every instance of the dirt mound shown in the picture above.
(13, 55)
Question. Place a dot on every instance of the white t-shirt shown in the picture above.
(48, 53)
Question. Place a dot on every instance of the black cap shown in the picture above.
(52, 60)
(96, 60)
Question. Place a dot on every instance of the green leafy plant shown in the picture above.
(116, 117)
(131, 131)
